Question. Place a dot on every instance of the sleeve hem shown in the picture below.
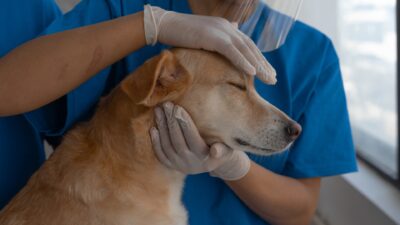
(40, 118)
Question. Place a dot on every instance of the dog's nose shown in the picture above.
(293, 130)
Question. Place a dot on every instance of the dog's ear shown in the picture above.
(159, 79)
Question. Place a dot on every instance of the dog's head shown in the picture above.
(221, 100)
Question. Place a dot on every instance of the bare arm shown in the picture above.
(48, 67)
(278, 199)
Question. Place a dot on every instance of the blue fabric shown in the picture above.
(310, 90)
(21, 146)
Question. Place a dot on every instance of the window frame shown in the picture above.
(398, 92)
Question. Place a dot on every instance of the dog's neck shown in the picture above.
(129, 124)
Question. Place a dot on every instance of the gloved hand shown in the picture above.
(178, 145)
(209, 33)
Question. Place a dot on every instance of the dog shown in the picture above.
(105, 171)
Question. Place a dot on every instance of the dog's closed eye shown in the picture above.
(239, 86)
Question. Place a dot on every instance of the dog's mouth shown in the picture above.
(248, 145)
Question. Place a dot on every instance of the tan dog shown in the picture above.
(105, 171)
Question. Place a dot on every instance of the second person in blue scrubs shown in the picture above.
(21, 146)
(281, 189)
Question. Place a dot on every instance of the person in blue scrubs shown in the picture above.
(44, 70)
(281, 189)
(21, 147)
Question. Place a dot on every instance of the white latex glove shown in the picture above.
(178, 145)
(209, 33)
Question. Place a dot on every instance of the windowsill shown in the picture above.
(359, 198)
(377, 190)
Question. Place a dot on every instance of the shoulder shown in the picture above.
(313, 52)
(89, 12)
(308, 54)
(38, 10)
(27, 4)
(312, 45)
(16, 29)
(306, 59)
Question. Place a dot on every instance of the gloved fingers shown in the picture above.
(156, 142)
(177, 161)
(219, 150)
(235, 165)
(265, 71)
(249, 54)
(250, 51)
(219, 153)
(233, 54)
(192, 136)
(235, 25)
(174, 130)
(164, 134)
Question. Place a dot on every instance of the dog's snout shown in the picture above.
(293, 130)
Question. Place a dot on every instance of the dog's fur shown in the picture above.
(105, 171)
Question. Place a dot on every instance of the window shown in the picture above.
(368, 50)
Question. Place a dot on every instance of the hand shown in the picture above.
(178, 145)
(209, 33)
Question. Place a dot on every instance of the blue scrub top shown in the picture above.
(21, 146)
(310, 90)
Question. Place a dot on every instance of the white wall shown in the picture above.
(66, 5)
(321, 14)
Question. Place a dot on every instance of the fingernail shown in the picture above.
(168, 109)
(267, 76)
(168, 105)
(274, 80)
(253, 71)
(260, 67)
(235, 24)
(217, 153)
(153, 132)
(157, 111)
(179, 115)
(263, 71)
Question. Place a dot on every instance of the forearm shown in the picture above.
(48, 67)
(278, 199)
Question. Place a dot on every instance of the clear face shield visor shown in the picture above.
(268, 20)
